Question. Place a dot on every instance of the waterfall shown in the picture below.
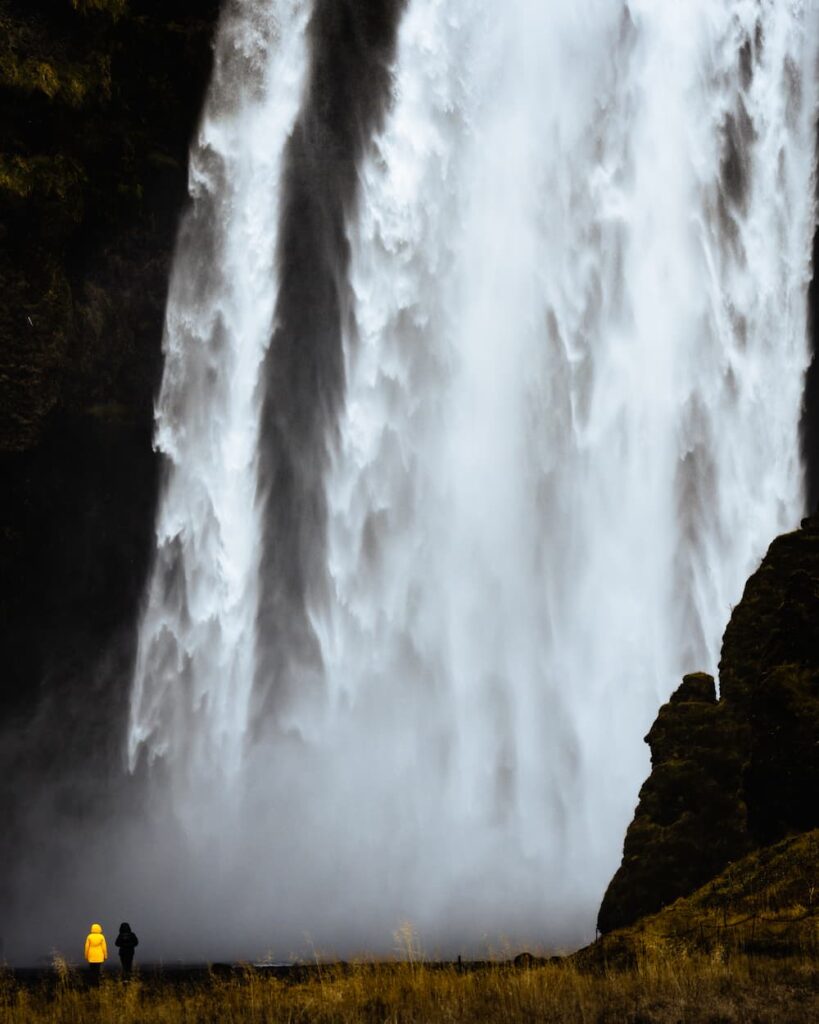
(571, 338)
(196, 656)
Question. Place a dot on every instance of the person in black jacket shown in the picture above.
(126, 943)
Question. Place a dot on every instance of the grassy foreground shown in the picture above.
(744, 949)
(658, 988)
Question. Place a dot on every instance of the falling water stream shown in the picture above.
(574, 345)
(197, 657)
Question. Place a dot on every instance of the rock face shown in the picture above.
(769, 675)
(98, 100)
(691, 819)
(734, 774)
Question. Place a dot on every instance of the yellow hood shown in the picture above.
(96, 929)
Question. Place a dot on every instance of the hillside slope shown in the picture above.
(766, 903)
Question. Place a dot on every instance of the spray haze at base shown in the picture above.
(479, 406)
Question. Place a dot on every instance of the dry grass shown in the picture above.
(766, 904)
(661, 988)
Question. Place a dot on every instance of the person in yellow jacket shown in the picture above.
(96, 952)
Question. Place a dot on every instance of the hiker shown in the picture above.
(96, 953)
(126, 943)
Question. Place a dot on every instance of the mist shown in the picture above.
(484, 359)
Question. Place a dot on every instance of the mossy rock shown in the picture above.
(114, 9)
(59, 177)
(34, 60)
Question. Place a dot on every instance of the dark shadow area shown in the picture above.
(809, 425)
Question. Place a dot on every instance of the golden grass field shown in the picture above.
(744, 948)
(660, 987)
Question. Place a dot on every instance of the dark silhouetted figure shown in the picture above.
(96, 953)
(126, 942)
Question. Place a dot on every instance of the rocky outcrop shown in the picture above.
(734, 774)
(691, 819)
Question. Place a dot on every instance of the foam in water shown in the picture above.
(196, 658)
(574, 369)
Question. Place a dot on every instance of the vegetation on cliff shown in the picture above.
(98, 100)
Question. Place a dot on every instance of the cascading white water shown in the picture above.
(196, 656)
(579, 263)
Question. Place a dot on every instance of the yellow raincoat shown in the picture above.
(96, 950)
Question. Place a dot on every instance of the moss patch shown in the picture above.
(57, 176)
(114, 9)
(34, 61)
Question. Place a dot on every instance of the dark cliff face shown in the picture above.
(98, 100)
(809, 426)
(736, 774)
(769, 675)
(691, 819)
